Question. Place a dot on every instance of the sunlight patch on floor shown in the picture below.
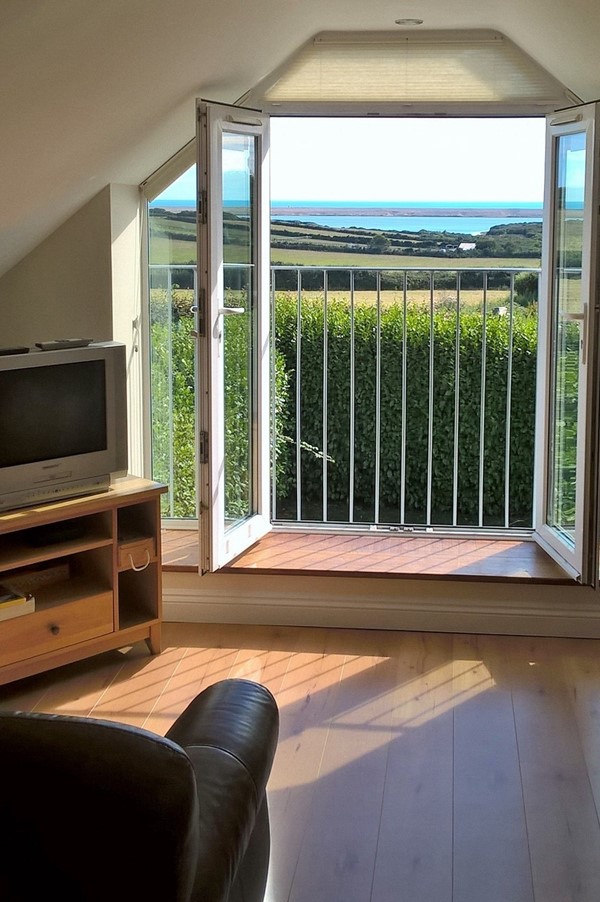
(371, 723)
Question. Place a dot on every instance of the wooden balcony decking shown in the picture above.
(411, 557)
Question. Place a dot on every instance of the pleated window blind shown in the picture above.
(430, 68)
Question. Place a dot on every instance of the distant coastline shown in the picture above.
(294, 209)
(485, 212)
(457, 217)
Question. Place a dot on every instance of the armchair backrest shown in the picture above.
(94, 810)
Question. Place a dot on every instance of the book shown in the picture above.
(17, 610)
(9, 597)
(14, 603)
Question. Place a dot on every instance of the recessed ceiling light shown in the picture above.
(409, 21)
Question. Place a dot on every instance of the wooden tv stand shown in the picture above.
(93, 565)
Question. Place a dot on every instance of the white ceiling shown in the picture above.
(94, 92)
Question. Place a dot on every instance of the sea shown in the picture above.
(474, 218)
(465, 218)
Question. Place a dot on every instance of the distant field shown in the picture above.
(173, 241)
(165, 250)
(171, 250)
(468, 297)
(364, 261)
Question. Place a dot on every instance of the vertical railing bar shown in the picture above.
(378, 400)
(196, 406)
(404, 373)
(430, 398)
(273, 370)
(352, 377)
(456, 406)
(482, 396)
(325, 391)
(298, 396)
(170, 371)
(507, 438)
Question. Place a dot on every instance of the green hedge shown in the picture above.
(426, 340)
(411, 345)
(173, 404)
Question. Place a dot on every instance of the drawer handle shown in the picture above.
(54, 629)
(143, 566)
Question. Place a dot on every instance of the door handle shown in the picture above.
(232, 311)
(583, 319)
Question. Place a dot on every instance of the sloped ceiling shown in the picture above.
(94, 92)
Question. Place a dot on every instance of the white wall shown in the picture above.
(63, 288)
(127, 302)
(407, 604)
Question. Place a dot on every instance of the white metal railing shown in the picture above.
(293, 281)
(452, 290)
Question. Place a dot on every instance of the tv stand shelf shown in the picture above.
(93, 565)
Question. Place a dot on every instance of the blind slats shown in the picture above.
(450, 67)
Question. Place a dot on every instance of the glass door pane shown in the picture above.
(568, 321)
(172, 346)
(234, 331)
(238, 324)
(568, 359)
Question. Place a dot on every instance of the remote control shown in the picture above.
(61, 343)
(18, 349)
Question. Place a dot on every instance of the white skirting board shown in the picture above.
(438, 606)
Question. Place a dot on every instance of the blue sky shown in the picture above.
(445, 160)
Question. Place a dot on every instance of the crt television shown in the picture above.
(63, 423)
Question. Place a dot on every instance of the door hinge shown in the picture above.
(199, 311)
(203, 447)
(202, 200)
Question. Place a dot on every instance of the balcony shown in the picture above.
(404, 398)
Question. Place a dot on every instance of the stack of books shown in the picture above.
(14, 603)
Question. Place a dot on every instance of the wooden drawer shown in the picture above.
(136, 554)
(55, 627)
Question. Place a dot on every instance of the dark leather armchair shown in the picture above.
(94, 811)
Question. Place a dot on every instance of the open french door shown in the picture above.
(233, 330)
(567, 427)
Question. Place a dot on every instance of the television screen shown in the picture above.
(50, 412)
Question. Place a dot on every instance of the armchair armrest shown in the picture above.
(229, 732)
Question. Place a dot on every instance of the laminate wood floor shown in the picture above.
(411, 767)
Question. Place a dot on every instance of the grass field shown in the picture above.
(164, 250)
(173, 242)
(468, 298)
(290, 257)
